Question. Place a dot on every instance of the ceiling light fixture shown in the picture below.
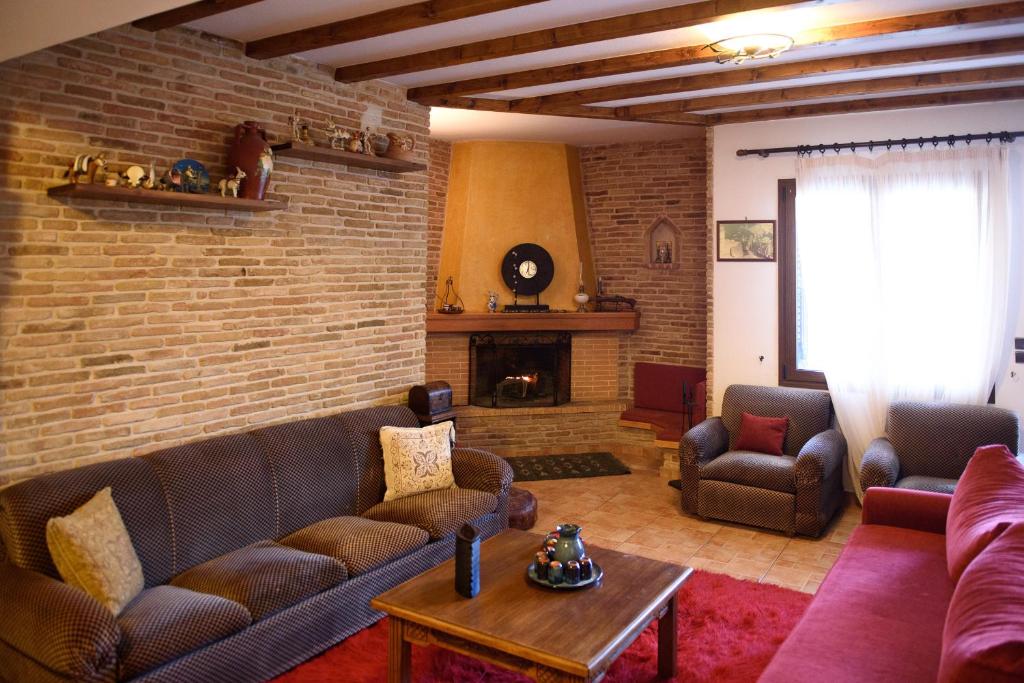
(754, 46)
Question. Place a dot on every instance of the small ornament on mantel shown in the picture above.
(492, 302)
(581, 297)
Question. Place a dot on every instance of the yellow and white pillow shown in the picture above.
(417, 460)
(92, 551)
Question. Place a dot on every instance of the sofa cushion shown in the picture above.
(877, 616)
(417, 460)
(166, 622)
(314, 472)
(26, 507)
(762, 434)
(264, 577)
(439, 513)
(989, 497)
(93, 552)
(922, 483)
(775, 472)
(360, 544)
(363, 429)
(983, 639)
(220, 493)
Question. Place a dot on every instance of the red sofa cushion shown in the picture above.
(988, 498)
(983, 641)
(659, 386)
(878, 615)
(761, 434)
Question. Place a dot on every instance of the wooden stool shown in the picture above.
(522, 509)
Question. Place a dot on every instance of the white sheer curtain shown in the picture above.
(908, 273)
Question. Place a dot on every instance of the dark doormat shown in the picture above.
(568, 466)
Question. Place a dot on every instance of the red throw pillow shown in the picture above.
(988, 498)
(762, 434)
(983, 638)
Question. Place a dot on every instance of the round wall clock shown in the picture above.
(527, 269)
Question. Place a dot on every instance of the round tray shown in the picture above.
(531, 571)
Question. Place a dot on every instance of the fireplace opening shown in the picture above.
(519, 370)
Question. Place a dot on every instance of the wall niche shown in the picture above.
(661, 242)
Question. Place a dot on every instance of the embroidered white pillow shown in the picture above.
(417, 460)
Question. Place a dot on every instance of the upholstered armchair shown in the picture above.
(796, 492)
(927, 445)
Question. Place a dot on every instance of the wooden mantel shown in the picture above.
(627, 321)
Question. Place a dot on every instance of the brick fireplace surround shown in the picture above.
(128, 328)
(627, 188)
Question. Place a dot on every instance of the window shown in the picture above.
(795, 370)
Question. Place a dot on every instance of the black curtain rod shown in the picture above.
(902, 143)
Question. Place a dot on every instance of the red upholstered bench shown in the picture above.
(663, 398)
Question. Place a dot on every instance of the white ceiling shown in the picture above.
(30, 25)
(271, 17)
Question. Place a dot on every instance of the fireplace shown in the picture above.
(519, 370)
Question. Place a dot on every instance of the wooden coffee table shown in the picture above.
(545, 633)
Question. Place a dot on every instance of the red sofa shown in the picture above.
(889, 611)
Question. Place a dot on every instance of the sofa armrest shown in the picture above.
(906, 508)
(820, 457)
(879, 466)
(481, 470)
(58, 626)
(705, 442)
(699, 446)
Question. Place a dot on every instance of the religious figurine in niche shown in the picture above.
(85, 167)
(492, 302)
(664, 253)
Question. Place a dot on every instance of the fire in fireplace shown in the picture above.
(517, 370)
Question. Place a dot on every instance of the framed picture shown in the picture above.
(746, 240)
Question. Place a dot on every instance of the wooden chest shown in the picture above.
(432, 402)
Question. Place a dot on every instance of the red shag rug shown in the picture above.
(728, 631)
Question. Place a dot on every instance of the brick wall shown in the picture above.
(125, 328)
(628, 187)
(439, 159)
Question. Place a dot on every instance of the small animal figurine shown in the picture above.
(85, 166)
(231, 183)
(171, 181)
(492, 302)
(134, 175)
(355, 142)
(337, 136)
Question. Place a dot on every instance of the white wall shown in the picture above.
(746, 294)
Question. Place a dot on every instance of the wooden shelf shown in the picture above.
(533, 322)
(292, 150)
(142, 196)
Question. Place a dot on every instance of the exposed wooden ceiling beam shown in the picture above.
(842, 89)
(603, 113)
(562, 36)
(187, 13)
(697, 54)
(377, 24)
(730, 76)
(876, 104)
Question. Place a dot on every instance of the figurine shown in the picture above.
(172, 181)
(231, 183)
(355, 142)
(492, 302)
(337, 136)
(189, 180)
(85, 165)
(134, 175)
(300, 130)
(149, 182)
(112, 179)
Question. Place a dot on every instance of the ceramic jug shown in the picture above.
(250, 152)
(569, 545)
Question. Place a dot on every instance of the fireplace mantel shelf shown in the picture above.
(533, 322)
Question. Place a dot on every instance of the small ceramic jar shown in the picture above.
(572, 571)
(540, 566)
(555, 572)
(586, 568)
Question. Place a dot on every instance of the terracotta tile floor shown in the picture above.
(639, 513)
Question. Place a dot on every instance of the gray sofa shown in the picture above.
(259, 550)
(797, 492)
